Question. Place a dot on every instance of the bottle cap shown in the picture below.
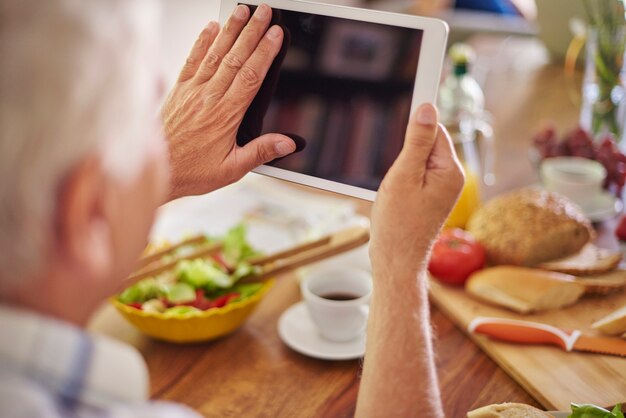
(462, 56)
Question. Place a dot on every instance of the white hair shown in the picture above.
(77, 78)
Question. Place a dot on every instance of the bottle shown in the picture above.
(461, 108)
(460, 95)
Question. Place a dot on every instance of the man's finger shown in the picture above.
(222, 44)
(198, 51)
(263, 150)
(251, 75)
(245, 45)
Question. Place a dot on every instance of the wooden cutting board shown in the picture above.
(552, 376)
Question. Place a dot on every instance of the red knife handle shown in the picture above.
(523, 332)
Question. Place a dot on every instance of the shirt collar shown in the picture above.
(68, 362)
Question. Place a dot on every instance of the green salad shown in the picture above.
(593, 411)
(199, 284)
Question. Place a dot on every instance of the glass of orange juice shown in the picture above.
(468, 202)
(478, 165)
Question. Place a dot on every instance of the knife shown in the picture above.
(525, 332)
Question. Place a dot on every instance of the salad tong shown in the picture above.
(269, 265)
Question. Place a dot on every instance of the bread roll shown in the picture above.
(524, 290)
(614, 323)
(530, 226)
(508, 410)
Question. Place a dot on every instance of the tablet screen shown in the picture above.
(342, 89)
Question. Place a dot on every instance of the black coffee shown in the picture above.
(339, 296)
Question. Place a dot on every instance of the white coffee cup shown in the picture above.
(337, 299)
(579, 179)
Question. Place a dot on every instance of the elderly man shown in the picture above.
(84, 165)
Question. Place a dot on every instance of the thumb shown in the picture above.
(264, 149)
(418, 143)
(421, 134)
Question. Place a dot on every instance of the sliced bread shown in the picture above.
(524, 290)
(604, 284)
(589, 260)
(508, 410)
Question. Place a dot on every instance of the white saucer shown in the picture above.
(297, 330)
(602, 207)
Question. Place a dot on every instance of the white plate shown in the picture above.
(559, 414)
(297, 330)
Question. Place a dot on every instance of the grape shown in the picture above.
(579, 143)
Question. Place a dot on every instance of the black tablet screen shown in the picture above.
(342, 89)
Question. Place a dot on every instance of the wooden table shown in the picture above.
(252, 373)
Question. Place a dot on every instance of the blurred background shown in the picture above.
(548, 20)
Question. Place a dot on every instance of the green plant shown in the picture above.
(608, 26)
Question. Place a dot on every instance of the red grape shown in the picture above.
(579, 143)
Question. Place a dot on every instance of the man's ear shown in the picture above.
(83, 232)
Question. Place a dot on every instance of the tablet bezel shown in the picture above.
(432, 52)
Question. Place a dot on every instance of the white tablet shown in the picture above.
(343, 87)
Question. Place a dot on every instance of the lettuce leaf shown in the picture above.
(244, 269)
(141, 291)
(203, 274)
(235, 246)
(180, 293)
(593, 411)
(246, 290)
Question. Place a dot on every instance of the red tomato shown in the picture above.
(201, 302)
(620, 232)
(456, 255)
(224, 300)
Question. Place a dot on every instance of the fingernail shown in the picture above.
(262, 11)
(274, 32)
(212, 27)
(283, 148)
(427, 115)
(241, 12)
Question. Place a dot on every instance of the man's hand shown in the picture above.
(413, 201)
(416, 195)
(201, 116)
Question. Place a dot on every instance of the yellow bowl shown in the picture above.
(193, 326)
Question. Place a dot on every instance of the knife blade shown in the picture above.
(525, 332)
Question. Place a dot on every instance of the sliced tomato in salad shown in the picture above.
(203, 303)
(224, 300)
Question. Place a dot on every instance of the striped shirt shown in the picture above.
(53, 369)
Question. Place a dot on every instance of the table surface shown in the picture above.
(252, 373)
